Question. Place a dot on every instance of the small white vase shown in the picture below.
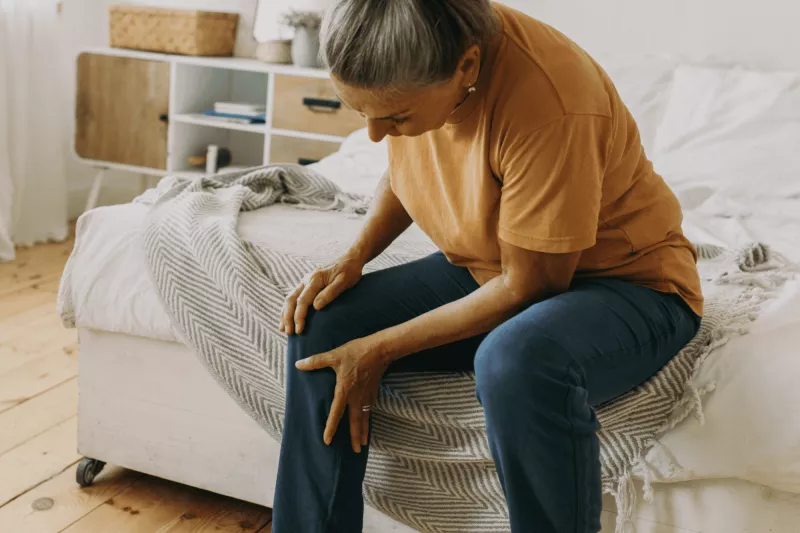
(305, 48)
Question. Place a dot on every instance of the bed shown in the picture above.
(725, 139)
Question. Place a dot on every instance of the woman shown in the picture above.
(564, 278)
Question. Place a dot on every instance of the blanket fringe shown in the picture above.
(647, 490)
(624, 492)
(625, 497)
(691, 403)
(692, 400)
(753, 261)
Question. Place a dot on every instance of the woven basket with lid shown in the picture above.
(173, 31)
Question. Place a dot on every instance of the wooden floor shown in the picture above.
(38, 407)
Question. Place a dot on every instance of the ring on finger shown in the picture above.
(366, 408)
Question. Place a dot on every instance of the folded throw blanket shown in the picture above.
(430, 466)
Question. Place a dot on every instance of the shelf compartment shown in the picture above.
(308, 136)
(247, 147)
(199, 119)
(197, 88)
(198, 173)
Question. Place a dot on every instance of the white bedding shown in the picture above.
(752, 419)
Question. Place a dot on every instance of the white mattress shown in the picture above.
(752, 419)
(111, 287)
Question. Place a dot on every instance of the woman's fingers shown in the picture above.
(287, 316)
(335, 416)
(365, 427)
(331, 292)
(355, 425)
(370, 398)
(304, 301)
(316, 362)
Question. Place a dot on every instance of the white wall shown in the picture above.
(761, 33)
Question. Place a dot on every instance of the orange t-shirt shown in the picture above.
(545, 156)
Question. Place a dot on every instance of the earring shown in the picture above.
(471, 89)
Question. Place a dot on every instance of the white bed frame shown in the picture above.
(151, 406)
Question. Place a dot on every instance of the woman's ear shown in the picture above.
(470, 65)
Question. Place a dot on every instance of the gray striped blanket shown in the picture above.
(430, 465)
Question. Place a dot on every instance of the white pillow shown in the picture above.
(731, 130)
(644, 85)
(358, 165)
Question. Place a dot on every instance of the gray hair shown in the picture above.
(402, 43)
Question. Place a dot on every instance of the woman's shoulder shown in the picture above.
(540, 71)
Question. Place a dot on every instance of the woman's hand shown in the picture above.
(319, 289)
(359, 369)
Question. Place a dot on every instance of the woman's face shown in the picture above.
(407, 113)
(411, 112)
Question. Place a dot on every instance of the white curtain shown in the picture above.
(33, 202)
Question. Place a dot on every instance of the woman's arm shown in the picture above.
(527, 277)
(386, 220)
(359, 365)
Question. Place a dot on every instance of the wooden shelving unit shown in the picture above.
(142, 112)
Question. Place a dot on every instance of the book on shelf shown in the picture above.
(236, 108)
(235, 118)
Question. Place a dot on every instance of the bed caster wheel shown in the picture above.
(88, 470)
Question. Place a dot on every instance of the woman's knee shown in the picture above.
(511, 365)
(309, 393)
(324, 331)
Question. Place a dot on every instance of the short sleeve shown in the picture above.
(552, 185)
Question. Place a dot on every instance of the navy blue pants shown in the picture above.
(538, 376)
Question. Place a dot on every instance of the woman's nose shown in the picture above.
(377, 129)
